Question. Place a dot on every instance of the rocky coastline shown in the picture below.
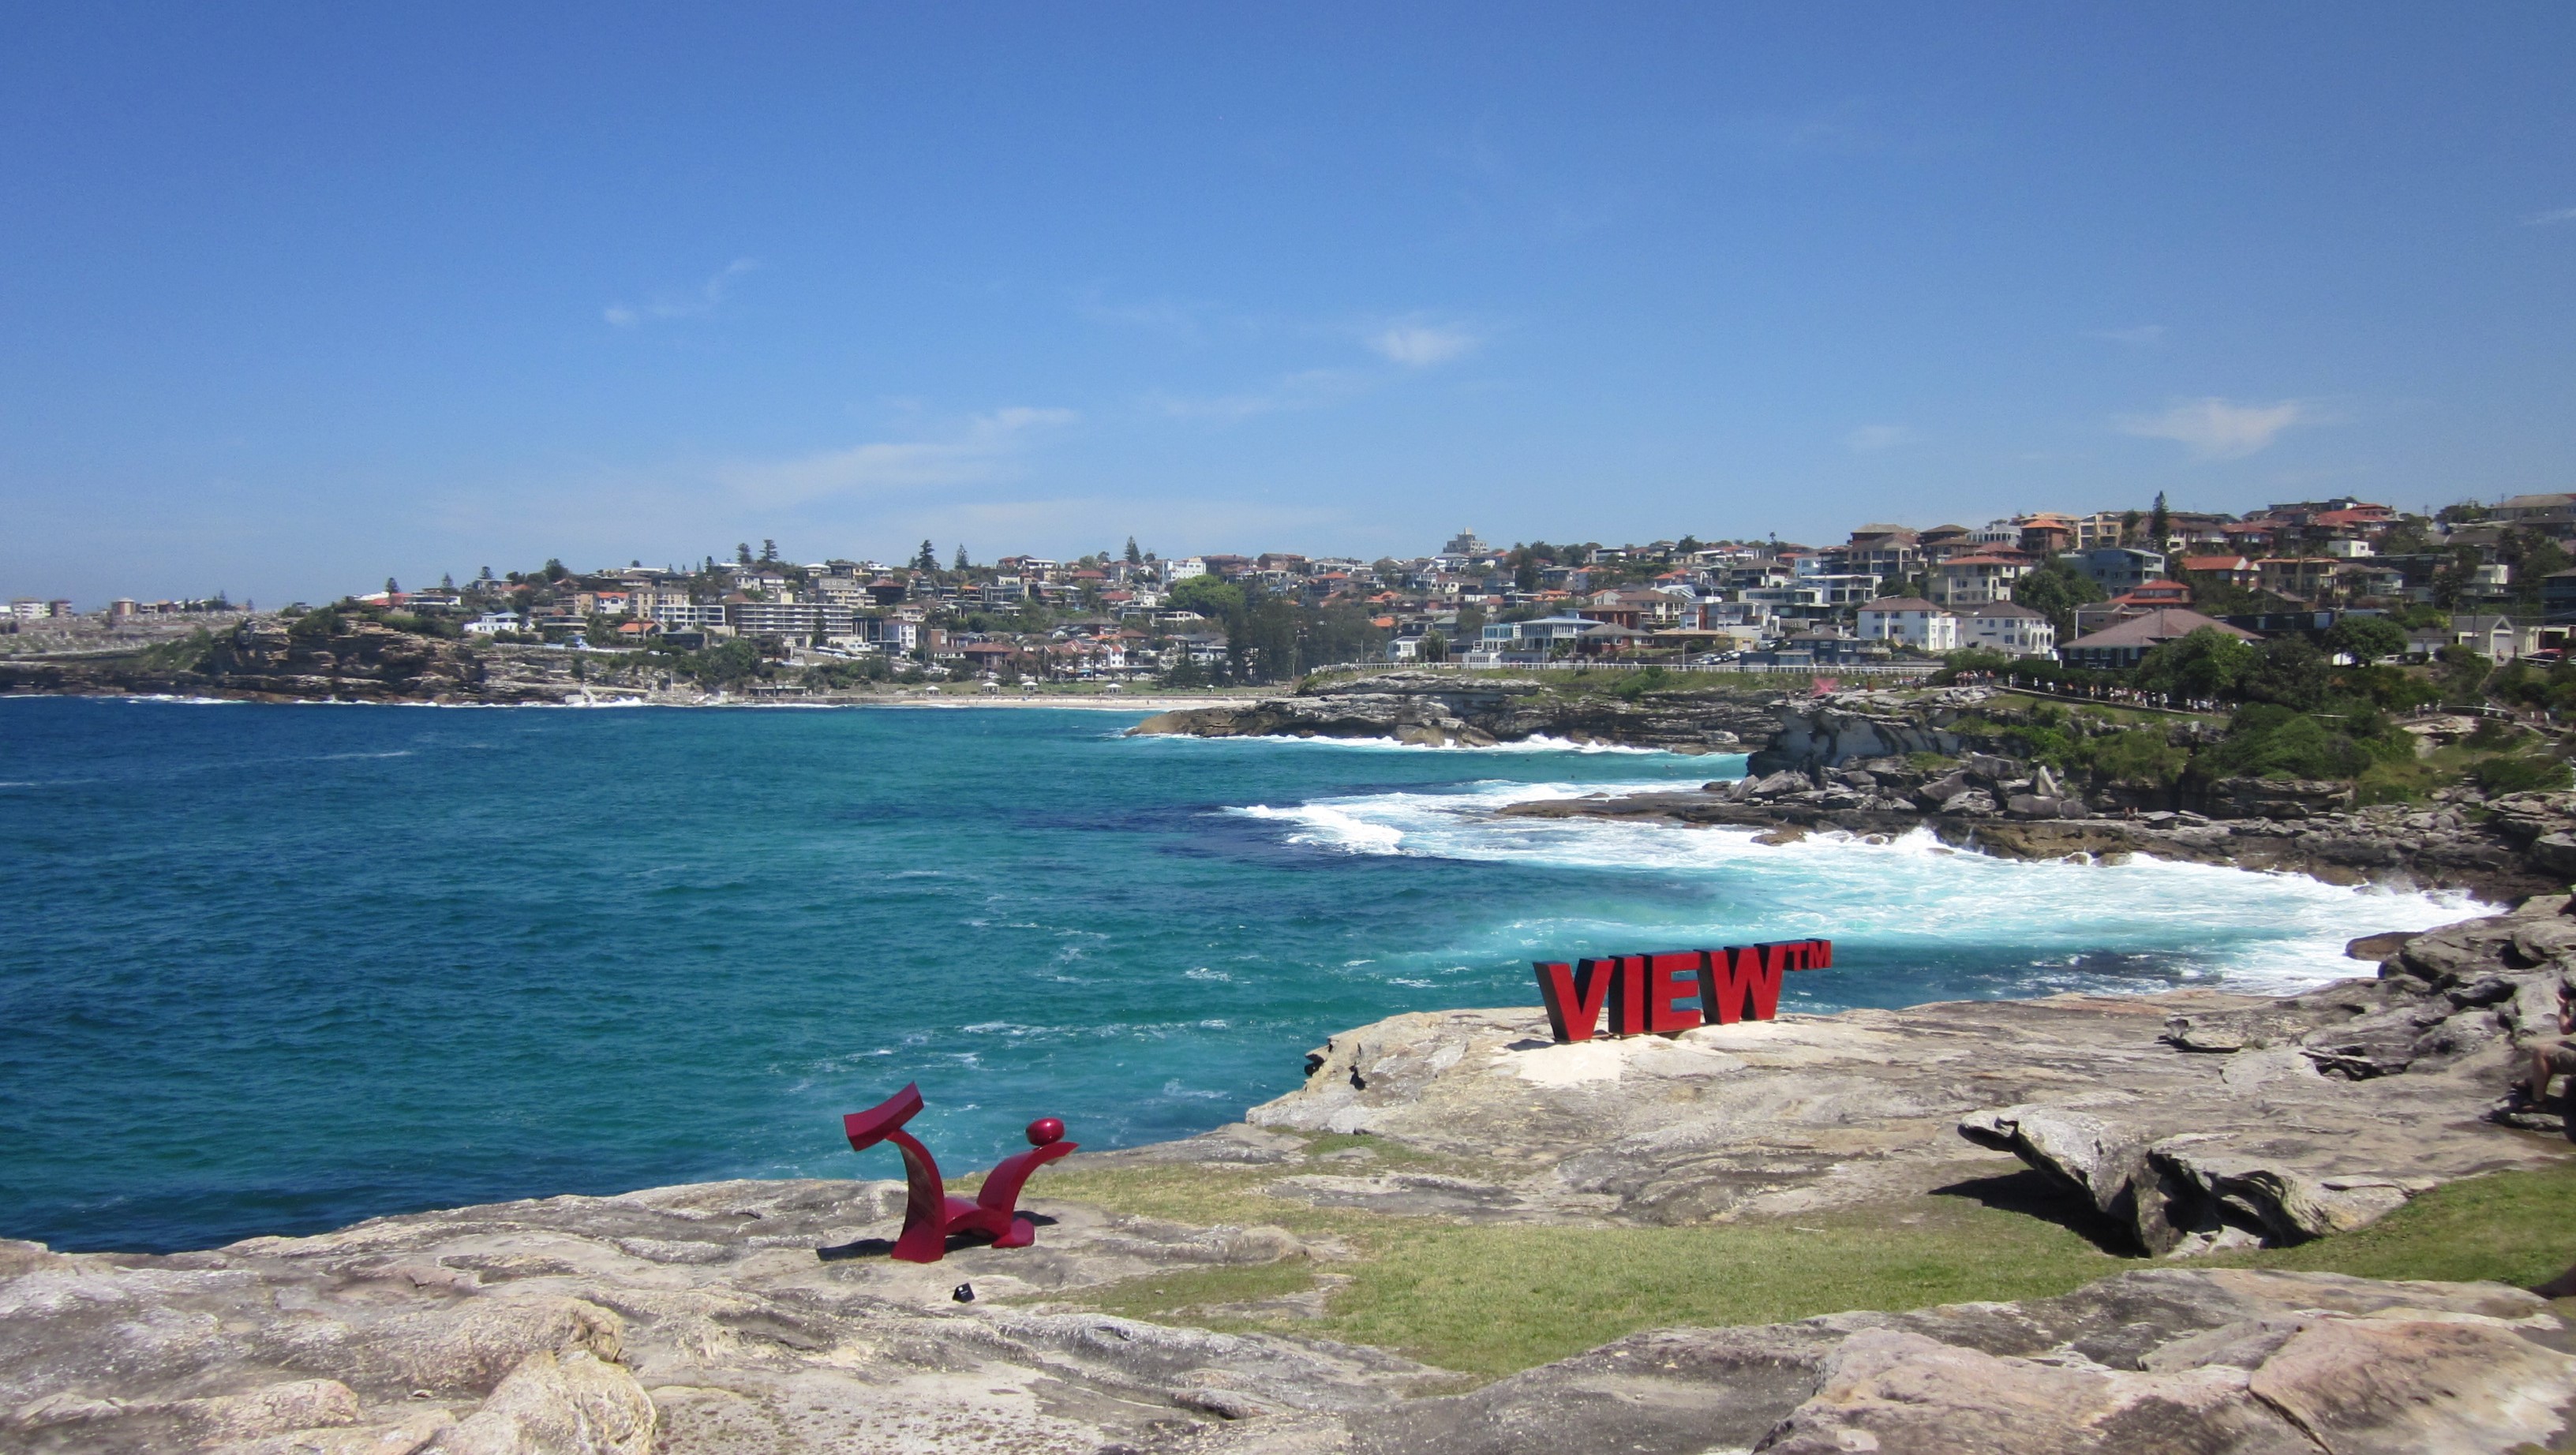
(1878, 765)
(2181, 1130)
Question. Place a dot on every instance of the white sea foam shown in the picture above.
(2256, 931)
(1535, 743)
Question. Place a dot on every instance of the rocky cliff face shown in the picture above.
(265, 659)
(1438, 711)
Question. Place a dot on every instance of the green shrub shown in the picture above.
(2269, 741)
(2521, 775)
(2140, 755)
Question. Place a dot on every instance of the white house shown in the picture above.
(1910, 621)
(2004, 627)
(499, 621)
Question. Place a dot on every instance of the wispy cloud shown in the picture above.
(983, 449)
(700, 303)
(1420, 345)
(1871, 438)
(2145, 335)
(1305, 389)
(2554, 215)
(2218, 429)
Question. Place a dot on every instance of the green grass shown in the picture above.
(1488, 1300)
(2507, 1227)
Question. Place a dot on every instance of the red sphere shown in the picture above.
(1046, 1131)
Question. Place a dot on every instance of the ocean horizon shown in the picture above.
(271, 969)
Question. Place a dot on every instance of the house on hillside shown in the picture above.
(2000, 626)
(2118, 646)
(1910, 621)
(1978, 578)
(2227, 570)
(2116, 568)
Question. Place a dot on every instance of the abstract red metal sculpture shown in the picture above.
(1738, 983)
(929, 1213)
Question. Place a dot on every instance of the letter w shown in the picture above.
(1742, 982)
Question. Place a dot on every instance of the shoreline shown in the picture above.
(2113, 1178)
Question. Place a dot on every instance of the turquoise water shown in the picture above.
(273, 969)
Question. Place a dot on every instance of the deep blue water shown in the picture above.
(270, 969)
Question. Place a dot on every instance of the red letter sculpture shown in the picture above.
(929, 1213)
(1573, 997)
(1738, 983)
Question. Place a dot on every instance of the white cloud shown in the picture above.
(1422, 345)
(2556, 214)
(709, 296)
(2217, 429)
(1306, 389)
(2143, 336)
(983, 449)
(1871, 438)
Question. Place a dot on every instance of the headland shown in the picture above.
(2186, 1221)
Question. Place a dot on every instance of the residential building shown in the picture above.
(2116, 568)
(2305, 577)
(1978, 578)
(2558, 596)
(2120, 645)
(2000, 626)
(2497, 638)
(2228, 570)
(1910, 621)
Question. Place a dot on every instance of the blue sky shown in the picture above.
(296, 298)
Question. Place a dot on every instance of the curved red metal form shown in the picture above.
(929, 1214)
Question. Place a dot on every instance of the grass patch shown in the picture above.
(1491, 1300)
(2506, 1227)
(1488, 1300)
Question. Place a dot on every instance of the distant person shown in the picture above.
(2552, 1055)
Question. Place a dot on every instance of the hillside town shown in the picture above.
(2085, 593)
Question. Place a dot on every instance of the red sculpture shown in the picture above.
(1740, 982)
(929, 1213)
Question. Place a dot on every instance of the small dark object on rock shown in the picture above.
(963, 1293)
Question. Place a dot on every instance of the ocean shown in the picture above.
(273, 969)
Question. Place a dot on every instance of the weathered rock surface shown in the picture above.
(2189, 1120)
(529, 1328)
(762, 1318)
(739, 1316)
(1426, 708)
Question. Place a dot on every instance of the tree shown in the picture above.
(2159, 523)
(556, 570)
(1209, 596)
(2290, 672)
(2366, 639)
(926, 559)
(446, 581)
(390, 587)
(2209, 663)
(742, 553)
(768, 552)
(1134, 556)
(1435, 647)
(2054, 591)
(961, 558)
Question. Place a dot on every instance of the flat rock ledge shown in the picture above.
(762, 1318)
